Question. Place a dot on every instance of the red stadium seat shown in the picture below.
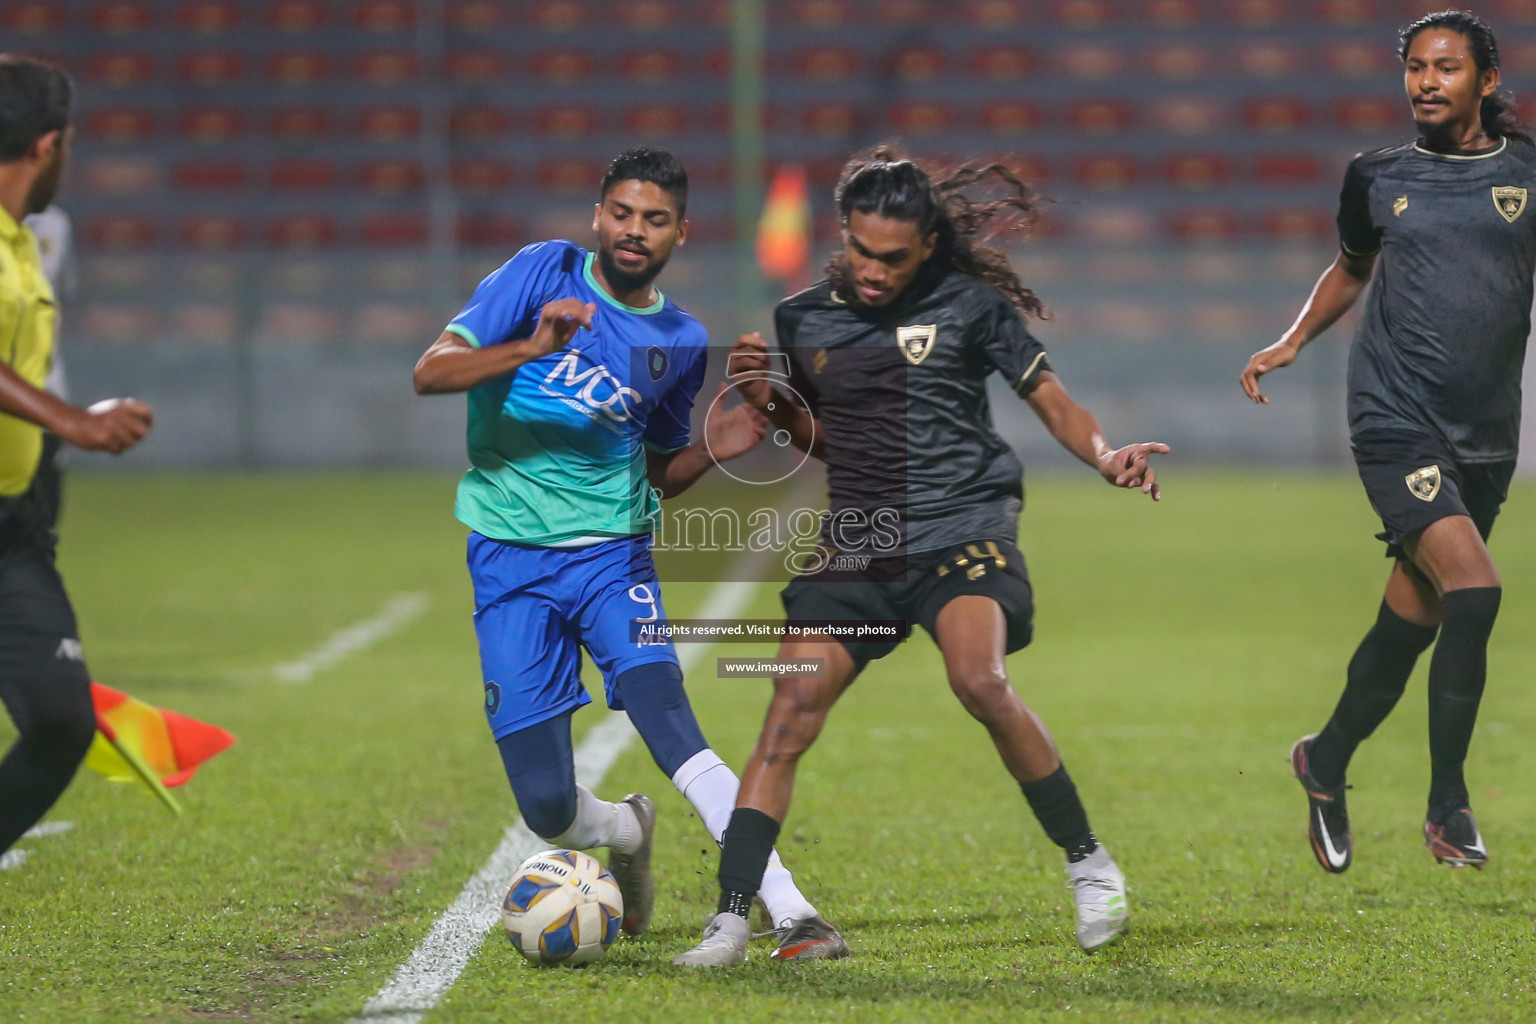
(1197, 172)
(211, 68)
(302, 231)
(1267, 60)
(559, 15)
(1346, 13)
(297, 16)
(1182, 62)
(390, 177)
(121, 17)
(568, 175)
(299, 124)
(566, 123)
(298, 68)
(1100, 117)
(120, 232)
(122, 176)
(381, 17)
(1258, 13)
(656, 120)
(213, 322)
(834, 120)
(1091, 62)
(476, 67)
(917, 64)
(481, 177)
(496, 231)
(1286, 169)
(120, 125)
(820, 14)
(1010, 118)
(1188, 115)
(386, 68)
(825, 64)
(1275, 116)
(478, 123)
(208, 17)
(306, 175)
(389, 124)
(995, 14)
(1518, 58)
(1516, 12)
(1359, 60)
(119, 322)
(1105, 172)
(649, 67)
(216, 232)
(387, 322)
(903, 13)
(299, 321)
(1001, 63)
(211, 124)
(562, 67)
(1526, 109)
(209, 175)
(34, 17)
(121, 70)
(1369, 116)
(1172, 13)
(1309, 225)
(1204, 225)
(920, 120)
(1029, 170)
(1084, 14)
(474, 16)
(647, 15)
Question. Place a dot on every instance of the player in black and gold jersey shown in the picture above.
(1434, 408)
(887, 367)
(43, 680)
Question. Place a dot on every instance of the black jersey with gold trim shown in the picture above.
(1442, 342)
(912, 456)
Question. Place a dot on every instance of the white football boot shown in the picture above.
(724, 943)
(1103, 914)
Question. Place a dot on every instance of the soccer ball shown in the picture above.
(563, 908)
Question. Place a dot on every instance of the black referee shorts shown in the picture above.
(1413, 481)
(39, 642)
(913, 590)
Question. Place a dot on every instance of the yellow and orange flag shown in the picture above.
(784, 233)
(137, 742)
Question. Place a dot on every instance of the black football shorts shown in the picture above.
(912, 589)
(1413, 480)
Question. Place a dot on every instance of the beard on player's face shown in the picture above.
(630, 280)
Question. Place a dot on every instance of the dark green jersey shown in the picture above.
(912, 457)
(1442, 342)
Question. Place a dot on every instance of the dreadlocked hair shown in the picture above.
(885, 181)
(1498, 109)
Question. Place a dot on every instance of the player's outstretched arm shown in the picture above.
(728, 433)
(111, 426)
(452, 364)
(1336, 291)
(749, 371)
(1078, 431)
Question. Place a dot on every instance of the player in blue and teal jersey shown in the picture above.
(581, 378)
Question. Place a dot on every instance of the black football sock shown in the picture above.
(1377, 675)
(744, 852)
(1457, 673)
(1057, 807)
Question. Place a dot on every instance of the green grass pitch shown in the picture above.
(1180, 649)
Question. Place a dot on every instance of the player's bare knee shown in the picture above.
(983, 690)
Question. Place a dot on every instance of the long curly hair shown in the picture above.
(885, 181)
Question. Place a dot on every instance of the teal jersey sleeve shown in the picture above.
(669, 427)
(506, 304)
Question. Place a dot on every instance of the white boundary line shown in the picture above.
(437, 962)
(400, 609)
(15, 858)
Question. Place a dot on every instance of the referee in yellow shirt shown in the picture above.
(43, 679)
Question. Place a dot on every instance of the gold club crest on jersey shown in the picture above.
(1510, 201)
(916, 341)
(1424, 483)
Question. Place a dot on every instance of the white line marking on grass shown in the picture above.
(47, 828)
(401, 609)
(13, 859)
(437, 962)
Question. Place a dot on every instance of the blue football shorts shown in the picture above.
(535, 607)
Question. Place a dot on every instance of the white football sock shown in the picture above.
(710, 785)
(600, 823)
